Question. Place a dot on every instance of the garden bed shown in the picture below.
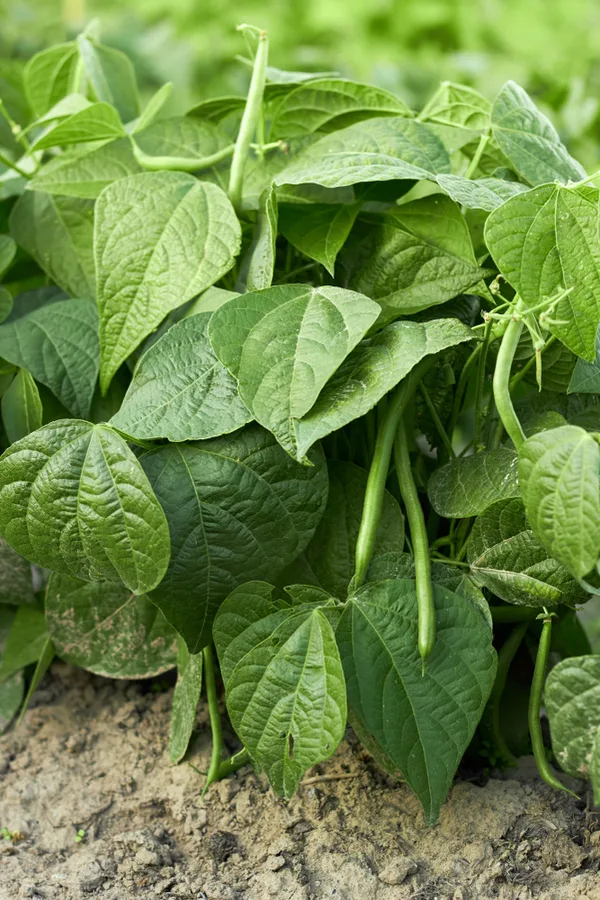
(92, 754)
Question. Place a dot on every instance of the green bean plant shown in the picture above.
(300, 395)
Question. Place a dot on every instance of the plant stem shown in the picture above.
(235, 762)
(215, 717)
(483, 140)
(490, 721)
(378, 472)
(420, 543)
(16, 129)
(535, 702)
(437, 421)
(504, 362)
(514, 381)
(482, 363)
(5, 160)
(250, 120)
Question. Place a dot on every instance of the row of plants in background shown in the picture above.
(308, 379)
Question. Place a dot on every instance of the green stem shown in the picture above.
(179, 163)
(504, 362)
(490, 721)
(235, 762)
(250, 120)
(437, 421)
(483, 140)
(480, 386)
(15, 128)
(535, 703)
(420, 543)
(378, 472)
(514, 381)
(215, 717)
(5, 160)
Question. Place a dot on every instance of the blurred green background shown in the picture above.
(552, 47)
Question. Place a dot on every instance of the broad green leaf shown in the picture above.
(85, 173)
(284, 684)
(586, 375)
(331, 553)
(318, 230)
(423, 720)
(73, 498)
(482, 193)
(217, 108)
(180, 390)
(49, 76)
(218, 538)
(210, 300)
(386, 149)
(506, 558)
(180, 137)
(330, 104)
(6, 304)
(153, 107)
(57, 342)
(529, 139)
(376, 366)
(68, 106)
(283, 344)
(457, 106)
(160, 239)
(559, 472)
(185, 701)
(25, 642)
(396, 566)
(466, 486)
(258, 267)
(21, 407)
(532, 238)
(98, 122)
(8, 248)
(414, 257)
(16, 584)
(58, 233)
(110, 76)
(572, 699)
(107, 630)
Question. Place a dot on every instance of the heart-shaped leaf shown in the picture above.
(423, 720)
(180, 390)
(319, 230)
(283, 344)
(160, 239)
(49, 76)
(466, 486)
(97, 122)
(218, 538)
(21, 407)
(73, 498)
(507, 558)
(283, 680)
(572, 700)
(106, 629)
(559, 471)
(85, 173)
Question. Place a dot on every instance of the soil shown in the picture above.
(92, 754)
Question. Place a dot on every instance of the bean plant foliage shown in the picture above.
(309, 379)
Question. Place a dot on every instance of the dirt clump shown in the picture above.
(91, 756)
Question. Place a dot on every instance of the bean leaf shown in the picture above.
(111, 76)
(258, 267)
(16, 584)
(57, 342)
(8, 248)
(572, 700)
(85, 173)
(507, 558)
(21, 407)
(545, 241)
(559, 471)
(98, 122)
(319, 230)
(219, 539)
(75, 499)
(283, 344)
(106, 629)
(49, 76)
(185, 701)
(423, 720)
(529, 139)
(586, 375)
(180, 390)
(284, 682)
(386, 149)
(58, 233)
(160, 239)
(481, 193)
(466, 486)
(25, 642)
(376, 366)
